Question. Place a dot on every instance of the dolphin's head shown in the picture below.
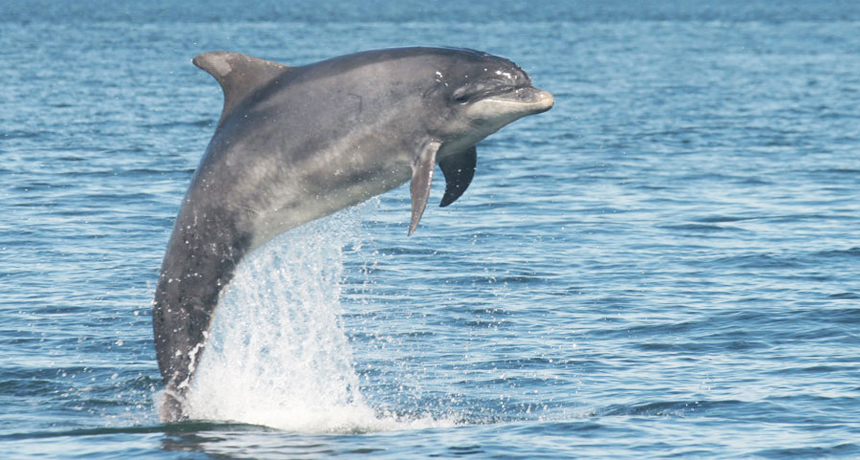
(482, 93)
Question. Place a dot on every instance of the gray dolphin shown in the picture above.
(294, 144)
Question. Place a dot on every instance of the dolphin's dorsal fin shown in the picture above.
(238, 74)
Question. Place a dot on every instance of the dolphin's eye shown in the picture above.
(461, 96)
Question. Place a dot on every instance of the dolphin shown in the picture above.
(294, 144)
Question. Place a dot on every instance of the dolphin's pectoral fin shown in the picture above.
(239, 75)
(422, 176)
(458, 170)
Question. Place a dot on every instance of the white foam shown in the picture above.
(278, 354)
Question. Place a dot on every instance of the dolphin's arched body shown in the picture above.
(296, 144)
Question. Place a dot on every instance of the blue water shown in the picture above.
(664, 265)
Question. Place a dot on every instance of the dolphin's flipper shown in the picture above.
(239, 75)
(422, 176)
(458, 170)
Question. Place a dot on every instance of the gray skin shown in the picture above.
(298, 143)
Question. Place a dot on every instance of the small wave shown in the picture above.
(724, 219)
(839, 253)
(697, 227)
(182, 124)
(845, 295)
(848, 171)
(668, 408)
(839, 450)
(21, 134)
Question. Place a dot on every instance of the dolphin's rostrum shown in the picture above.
(297, 143)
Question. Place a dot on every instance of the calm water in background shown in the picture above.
(663, 265)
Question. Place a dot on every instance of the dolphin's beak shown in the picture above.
(516, 103)
(531, 99)
(544, 100)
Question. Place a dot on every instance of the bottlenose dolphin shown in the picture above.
(297, 143)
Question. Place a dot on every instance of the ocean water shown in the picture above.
(664, 265)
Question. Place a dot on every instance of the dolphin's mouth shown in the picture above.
(526, 100)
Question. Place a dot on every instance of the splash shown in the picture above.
(278, 354)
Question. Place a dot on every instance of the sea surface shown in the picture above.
(665, 265)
